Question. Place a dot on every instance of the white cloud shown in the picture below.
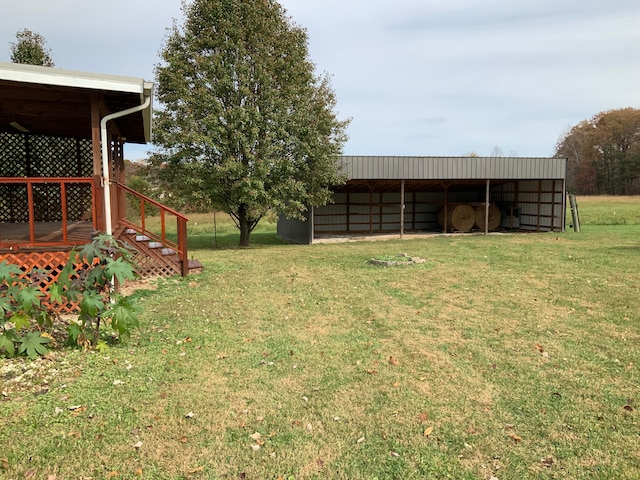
(418, 77)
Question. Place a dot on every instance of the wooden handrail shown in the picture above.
(63, 182)
(181, 225)
(151, 201)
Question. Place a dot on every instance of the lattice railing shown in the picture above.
(50, 264)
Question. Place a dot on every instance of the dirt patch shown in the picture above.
(131, 286)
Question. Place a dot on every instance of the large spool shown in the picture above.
(460, 218)
(494, 217)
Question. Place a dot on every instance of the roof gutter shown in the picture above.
(105, 157)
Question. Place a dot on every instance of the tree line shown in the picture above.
(604, 154)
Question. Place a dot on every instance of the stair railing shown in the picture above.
(146, 204)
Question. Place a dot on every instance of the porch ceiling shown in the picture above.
(57, 102)
(63, 111)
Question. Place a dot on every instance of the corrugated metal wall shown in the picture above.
(452, 168)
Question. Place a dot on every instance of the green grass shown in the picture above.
(519, 353)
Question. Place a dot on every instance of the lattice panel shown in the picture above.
(78, 201)
(147, 264)
(51, 263)
(13, 155)
(25, 155)
(14, 205)
(47, 204)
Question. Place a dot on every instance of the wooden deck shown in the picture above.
(17, 234)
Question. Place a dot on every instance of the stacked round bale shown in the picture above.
(463, 217)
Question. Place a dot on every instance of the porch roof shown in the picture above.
(54, 101)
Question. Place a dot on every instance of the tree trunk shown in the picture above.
(243, 220)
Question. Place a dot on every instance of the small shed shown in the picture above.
(401, 195)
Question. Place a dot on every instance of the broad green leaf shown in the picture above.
(74, 331)
(120, 269)
(6, 343)
(123, 315)
(92, 303)
(33, 344)
(29, 297)
(9, 271)
(56, 293)
(21, 320)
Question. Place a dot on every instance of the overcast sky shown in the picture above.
(418, 77)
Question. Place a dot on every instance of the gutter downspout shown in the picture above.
(105, 157)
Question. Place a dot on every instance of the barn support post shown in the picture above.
(446, 201)
(486, 209)
(401, 208)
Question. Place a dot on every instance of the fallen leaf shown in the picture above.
(360, 440)
(195, 470)
(427, 431)
(393, 361)
(394, 454)
(138, 471)
(187, 339)
(539, 348)
(255, 436)
(74, 434)
(396, 385)
(190, 415)
(52, 477)
(516, 439)
(371, 371)
(137, 445)
(424, 416)
(29, 474)
(628, 408)
(75, 407)
(183, 439)
(547, 462)
(4, 463)
(112, 474)
(255, 447)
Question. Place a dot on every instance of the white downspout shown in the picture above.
(105, 157)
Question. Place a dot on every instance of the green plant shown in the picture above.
(103, 261)
(19, 304)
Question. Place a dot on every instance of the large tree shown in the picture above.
(30, 48)
(604, 153)
(244, 120)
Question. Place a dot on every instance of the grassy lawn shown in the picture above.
(506, 356)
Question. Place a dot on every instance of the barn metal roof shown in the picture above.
(452, 168)
(55, 101)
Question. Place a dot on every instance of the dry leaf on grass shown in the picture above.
(195, 470)
(428, 431)
(516, 439)
(393, 361)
